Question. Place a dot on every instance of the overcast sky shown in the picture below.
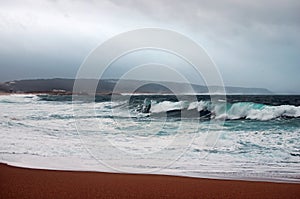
(254, 43)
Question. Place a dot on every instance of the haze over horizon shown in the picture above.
(253, 43)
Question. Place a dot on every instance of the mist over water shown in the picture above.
(260, 138)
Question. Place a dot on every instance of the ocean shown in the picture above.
(255, 137)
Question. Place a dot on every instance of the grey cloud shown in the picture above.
(248, 38)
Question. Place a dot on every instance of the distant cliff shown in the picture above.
(107, 86)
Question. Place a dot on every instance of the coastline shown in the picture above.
(19, 182)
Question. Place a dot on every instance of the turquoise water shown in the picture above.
(254, 137)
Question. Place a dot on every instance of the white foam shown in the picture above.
(32, 137)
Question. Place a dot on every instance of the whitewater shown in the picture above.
(258, 137)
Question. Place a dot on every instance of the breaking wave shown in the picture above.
(232, 111)
(235, 109)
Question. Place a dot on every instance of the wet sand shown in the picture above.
(36, 183)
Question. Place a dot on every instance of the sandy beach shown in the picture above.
(36, 183)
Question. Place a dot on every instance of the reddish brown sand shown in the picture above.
(34, 183)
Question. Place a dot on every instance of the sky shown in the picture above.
(254, 43)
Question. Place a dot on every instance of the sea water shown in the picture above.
(258, 136)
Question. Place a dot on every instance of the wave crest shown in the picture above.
(234, 111)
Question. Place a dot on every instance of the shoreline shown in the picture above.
(18, 182)
(207, 176)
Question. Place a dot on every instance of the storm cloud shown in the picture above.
(253, 43)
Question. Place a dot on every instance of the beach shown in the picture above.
(37, 183)
(149, 99)
(54, 132)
